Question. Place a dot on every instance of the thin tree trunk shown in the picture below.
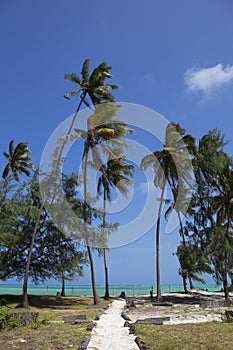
(85, 218)
(184, 243)
(105, 255)
(225, 286)
(106, 275)
(159, 296)
(190, 283)
(25, 302)
(63, 293)
(94, 289)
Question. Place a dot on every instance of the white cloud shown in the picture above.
(208, 80)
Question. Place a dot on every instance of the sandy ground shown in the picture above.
(110, 333)
(185, 308)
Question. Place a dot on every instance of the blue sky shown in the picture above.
(174, 56)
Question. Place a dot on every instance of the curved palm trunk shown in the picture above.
(159, 295)
(25, 302)
(105, 255)
(85, 218)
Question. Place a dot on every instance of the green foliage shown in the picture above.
(92, 85)
(18, 160)
(38, 323)
(8, 321)
(51, 248)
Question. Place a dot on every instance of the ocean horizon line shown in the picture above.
(86, 290)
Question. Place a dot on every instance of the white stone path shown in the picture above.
(110, 333)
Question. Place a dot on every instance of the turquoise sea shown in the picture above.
(78, 290)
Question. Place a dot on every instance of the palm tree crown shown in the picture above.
(18, 160)
(92, 84)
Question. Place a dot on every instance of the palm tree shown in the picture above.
(171, 165)
(181, 208)
(117, 173)
(18, 160)
(94, 87)
(103, 136)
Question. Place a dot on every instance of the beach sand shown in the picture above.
(184, 308)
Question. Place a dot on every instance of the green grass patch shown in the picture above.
(201, 336)
(50, 332)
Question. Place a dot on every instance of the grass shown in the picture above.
(201, 336)
(50, 332)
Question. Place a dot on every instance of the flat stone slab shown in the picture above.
(84, 343)
(208, 302)
(154, 320)
(162, 303)
(75, 319)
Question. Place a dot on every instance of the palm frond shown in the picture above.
(86, 70)
(68, 95)
(6, 171)
(11, 147)
(74, 78)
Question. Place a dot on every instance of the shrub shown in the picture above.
(7, 320)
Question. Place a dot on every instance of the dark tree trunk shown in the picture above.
(184, 243)
(85, 218)
(225, 287)
(185, 284)
(224, 278)
(63, 293)
(105, 255)
(158, 282)
(94, 290)
(191, 283)
(106, 276)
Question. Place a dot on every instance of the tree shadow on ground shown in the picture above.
(50, 302)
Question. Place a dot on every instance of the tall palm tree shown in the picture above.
(18, 160)
(91, 87)
(116, 173)
(103, 136)
(171, 166)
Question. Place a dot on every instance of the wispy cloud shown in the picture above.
(208, 80)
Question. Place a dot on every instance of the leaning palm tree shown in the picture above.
(92, 90)
(171, 166)
(18, 160)
(117, 173)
